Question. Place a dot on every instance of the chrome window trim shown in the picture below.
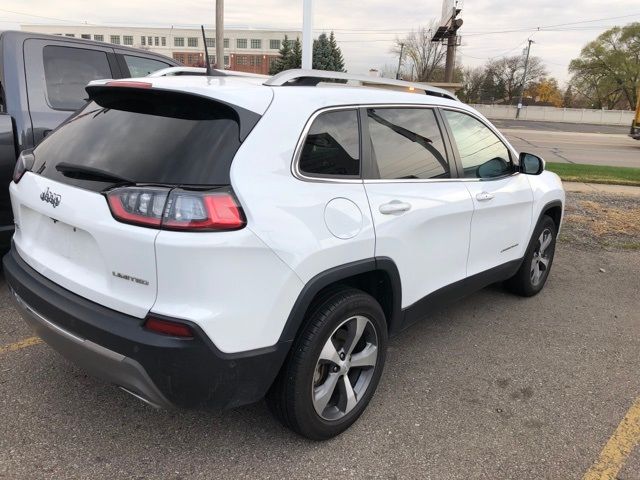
(295, 168)
(295, 164)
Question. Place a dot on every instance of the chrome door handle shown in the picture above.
(394, 207)
(484, 196)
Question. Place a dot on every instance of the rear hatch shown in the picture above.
(137, 146)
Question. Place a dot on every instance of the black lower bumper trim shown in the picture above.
(160, 369)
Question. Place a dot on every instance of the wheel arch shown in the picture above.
(379, 277)
(553, 209)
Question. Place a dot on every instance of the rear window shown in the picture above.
(67, 71)
(144, 137)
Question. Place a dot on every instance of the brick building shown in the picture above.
(245, 50)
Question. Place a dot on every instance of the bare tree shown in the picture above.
(508, 71)
(426, 57)
(473, 79)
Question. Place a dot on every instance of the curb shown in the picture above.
(580, 187)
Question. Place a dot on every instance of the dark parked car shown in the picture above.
(42, 80)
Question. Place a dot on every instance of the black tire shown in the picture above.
(525, 282)
(291, 397)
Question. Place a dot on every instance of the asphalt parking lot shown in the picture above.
(493, 387)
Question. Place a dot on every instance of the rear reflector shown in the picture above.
(177, 209)
(168, 327)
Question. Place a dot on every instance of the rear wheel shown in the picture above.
(536, 265)
(334, 366)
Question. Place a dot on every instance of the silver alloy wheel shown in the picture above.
(541, 257)
(345, 367)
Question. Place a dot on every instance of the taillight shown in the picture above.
(177, 209)
(24, 164)
(138, 205)
(168, 327)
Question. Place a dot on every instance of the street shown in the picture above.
(573, 143)
(495, 387)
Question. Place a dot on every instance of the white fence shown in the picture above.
(553, 114)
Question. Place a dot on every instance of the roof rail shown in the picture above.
(200, 71)
(170, 71)
(302, 77)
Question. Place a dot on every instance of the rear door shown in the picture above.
(64, 227)
(422, 215)
(503, 200)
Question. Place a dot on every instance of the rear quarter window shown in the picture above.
(141, 66)
(332, 145)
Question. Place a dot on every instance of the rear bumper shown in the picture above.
(162, 370)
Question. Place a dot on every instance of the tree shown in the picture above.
(336, 53)
(472, 81)
(545, 91)
(322, 55)
(296, 55)
(284, 58)
(567, 98)
(426, 57)
(608, 69)
(508, 73)
(326, 55)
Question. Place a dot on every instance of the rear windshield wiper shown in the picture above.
(82, 172)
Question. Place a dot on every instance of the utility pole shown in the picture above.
(452, 42)
(524, 79)
(307, 34)
(399, 61)
(219, 35)
(448, 29)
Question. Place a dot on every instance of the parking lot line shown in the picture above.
(27, 342)
(618, 448)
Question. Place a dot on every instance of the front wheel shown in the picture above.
(536, 265)
(334, 366)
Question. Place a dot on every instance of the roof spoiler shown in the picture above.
(141, 97)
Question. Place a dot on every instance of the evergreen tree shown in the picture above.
(296, 55)
(336, 53)
(284, 59)
(322, 55)
(567, 100)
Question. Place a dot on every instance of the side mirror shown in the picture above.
(531, 164)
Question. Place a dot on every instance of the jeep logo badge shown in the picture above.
(50, 197)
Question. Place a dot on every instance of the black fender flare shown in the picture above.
(543, 211)
(335, 275)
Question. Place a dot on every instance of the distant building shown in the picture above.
(245, 50)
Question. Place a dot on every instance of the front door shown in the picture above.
(502, 198)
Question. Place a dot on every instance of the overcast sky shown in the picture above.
(365, 29)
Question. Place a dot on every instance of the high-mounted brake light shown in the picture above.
(130, 84)
(177, 209)
(168, 327)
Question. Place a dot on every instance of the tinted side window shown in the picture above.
(141, 67)
(406, 143)
(332, 146)
(68, 70)
(482, 153)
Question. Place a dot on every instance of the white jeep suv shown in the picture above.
(209, 240)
